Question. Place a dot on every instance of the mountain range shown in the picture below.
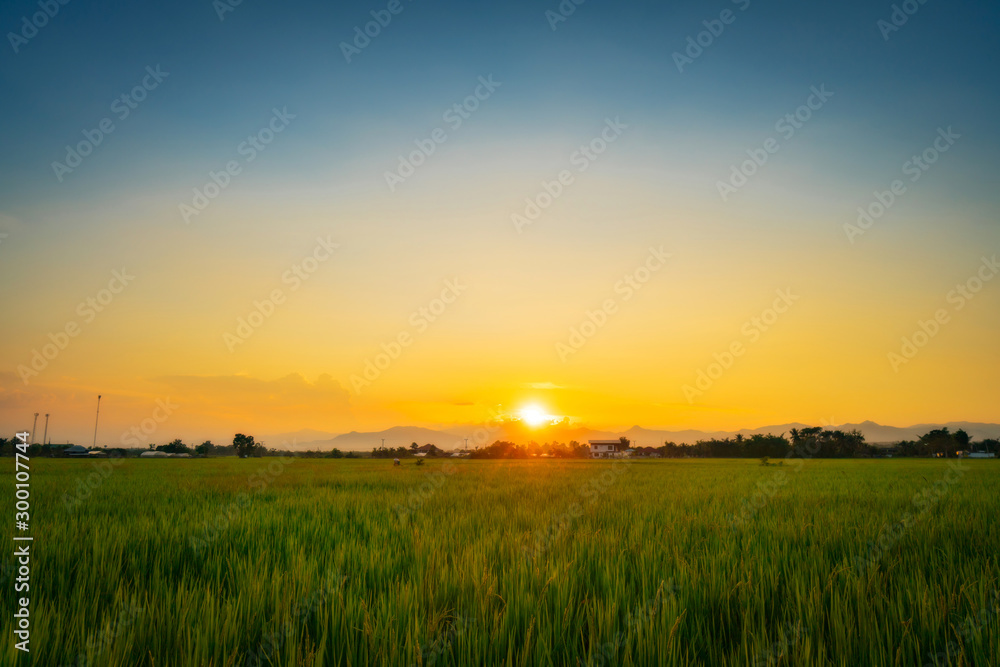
(454, 437)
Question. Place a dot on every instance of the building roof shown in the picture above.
(605, 442)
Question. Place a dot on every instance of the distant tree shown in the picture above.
(670, 450)
(335, 454)
(623, 444)
(961, 440)
(175, 447)
(989, 445)
(244, 445)
(939, 441)
(414, 446)
(205, 449)
(152, 446)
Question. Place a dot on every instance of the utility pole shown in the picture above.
(96, 418)
(33, 427)
(45, 435)
(383, 443)
(466, 444)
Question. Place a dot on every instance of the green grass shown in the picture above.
(516, 563)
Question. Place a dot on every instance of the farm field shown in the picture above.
(556, 562)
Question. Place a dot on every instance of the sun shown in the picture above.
(534, 415)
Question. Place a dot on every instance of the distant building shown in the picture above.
(604, 449)
(76, 450)
(648, 452)
(982, 455)
(428, 450)
(154, 455)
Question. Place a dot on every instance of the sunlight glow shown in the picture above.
(534, 416)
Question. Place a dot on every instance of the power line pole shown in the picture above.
(96, 418)
(45, 435)
(33, 427)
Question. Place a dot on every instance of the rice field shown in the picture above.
(544, 562)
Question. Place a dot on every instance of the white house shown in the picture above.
(603, 449)
(981, 455)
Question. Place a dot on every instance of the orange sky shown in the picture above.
(484, 317)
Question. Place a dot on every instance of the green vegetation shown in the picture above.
(281, 561)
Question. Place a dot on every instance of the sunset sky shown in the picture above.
(640, 237)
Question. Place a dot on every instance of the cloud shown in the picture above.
(542, 385)
(289, 394)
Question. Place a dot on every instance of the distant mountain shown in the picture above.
(397, 436)
(295, 439)
(453, 437)
(873, 432)
(877, 433)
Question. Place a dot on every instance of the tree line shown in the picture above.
(813, 442)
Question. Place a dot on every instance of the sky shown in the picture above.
(256, 217)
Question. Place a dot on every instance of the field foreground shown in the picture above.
(545, 562)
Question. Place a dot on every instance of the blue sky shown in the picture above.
(607, 58)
